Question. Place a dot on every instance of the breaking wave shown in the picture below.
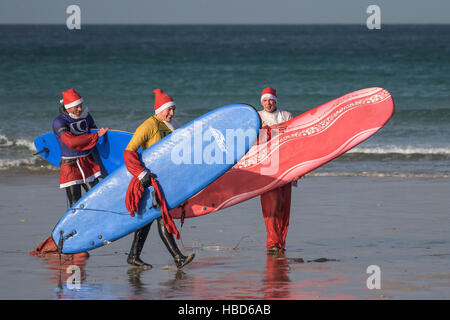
(16, 155)
(31, 164)
(15, 144)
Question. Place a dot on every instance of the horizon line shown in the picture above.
(221, 24)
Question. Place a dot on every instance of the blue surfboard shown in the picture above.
(110, 148)
(185, 162)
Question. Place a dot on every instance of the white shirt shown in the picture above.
(276, 117)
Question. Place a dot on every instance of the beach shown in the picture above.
(339, 227)
(371, 224)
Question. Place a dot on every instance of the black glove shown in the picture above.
(146, 179)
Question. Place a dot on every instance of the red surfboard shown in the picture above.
(289, 150)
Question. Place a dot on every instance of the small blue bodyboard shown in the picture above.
(184, 162)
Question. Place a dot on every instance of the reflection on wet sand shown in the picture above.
(414, 260)
(276, 280)
(63, 271)
(137, 287)
(203, 281)
(226, 277)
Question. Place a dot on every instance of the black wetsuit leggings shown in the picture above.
(74, 192)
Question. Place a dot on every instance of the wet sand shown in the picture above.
(339, 227)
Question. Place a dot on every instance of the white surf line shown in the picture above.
(332, 155)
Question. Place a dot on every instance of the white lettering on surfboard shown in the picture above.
(209, 146)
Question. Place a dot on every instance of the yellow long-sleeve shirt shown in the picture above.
(149, 132)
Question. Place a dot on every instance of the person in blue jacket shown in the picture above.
(78, 166)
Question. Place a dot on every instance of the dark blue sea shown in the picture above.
(116, 68)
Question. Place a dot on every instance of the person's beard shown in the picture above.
(83, 114)
(172, 124)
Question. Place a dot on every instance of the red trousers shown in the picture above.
(276, 208)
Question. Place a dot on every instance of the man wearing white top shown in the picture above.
(276, 203)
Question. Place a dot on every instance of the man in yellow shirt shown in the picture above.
(149, 132)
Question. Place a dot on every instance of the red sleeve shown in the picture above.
(80, 143)
(135, 191)
(132, 162)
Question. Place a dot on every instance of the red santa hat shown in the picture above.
(71, 99)
(270, 93)
(162, 101)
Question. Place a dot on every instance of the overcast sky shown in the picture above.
(224, 11)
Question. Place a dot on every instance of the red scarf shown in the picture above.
(135, 191)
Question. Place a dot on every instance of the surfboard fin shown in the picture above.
(46, 150)
(60, 245)
(183, 212)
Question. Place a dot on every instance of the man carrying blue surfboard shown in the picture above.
(149, 132)
(78, 166)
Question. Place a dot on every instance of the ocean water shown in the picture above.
(116, 68)
(353, 211)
